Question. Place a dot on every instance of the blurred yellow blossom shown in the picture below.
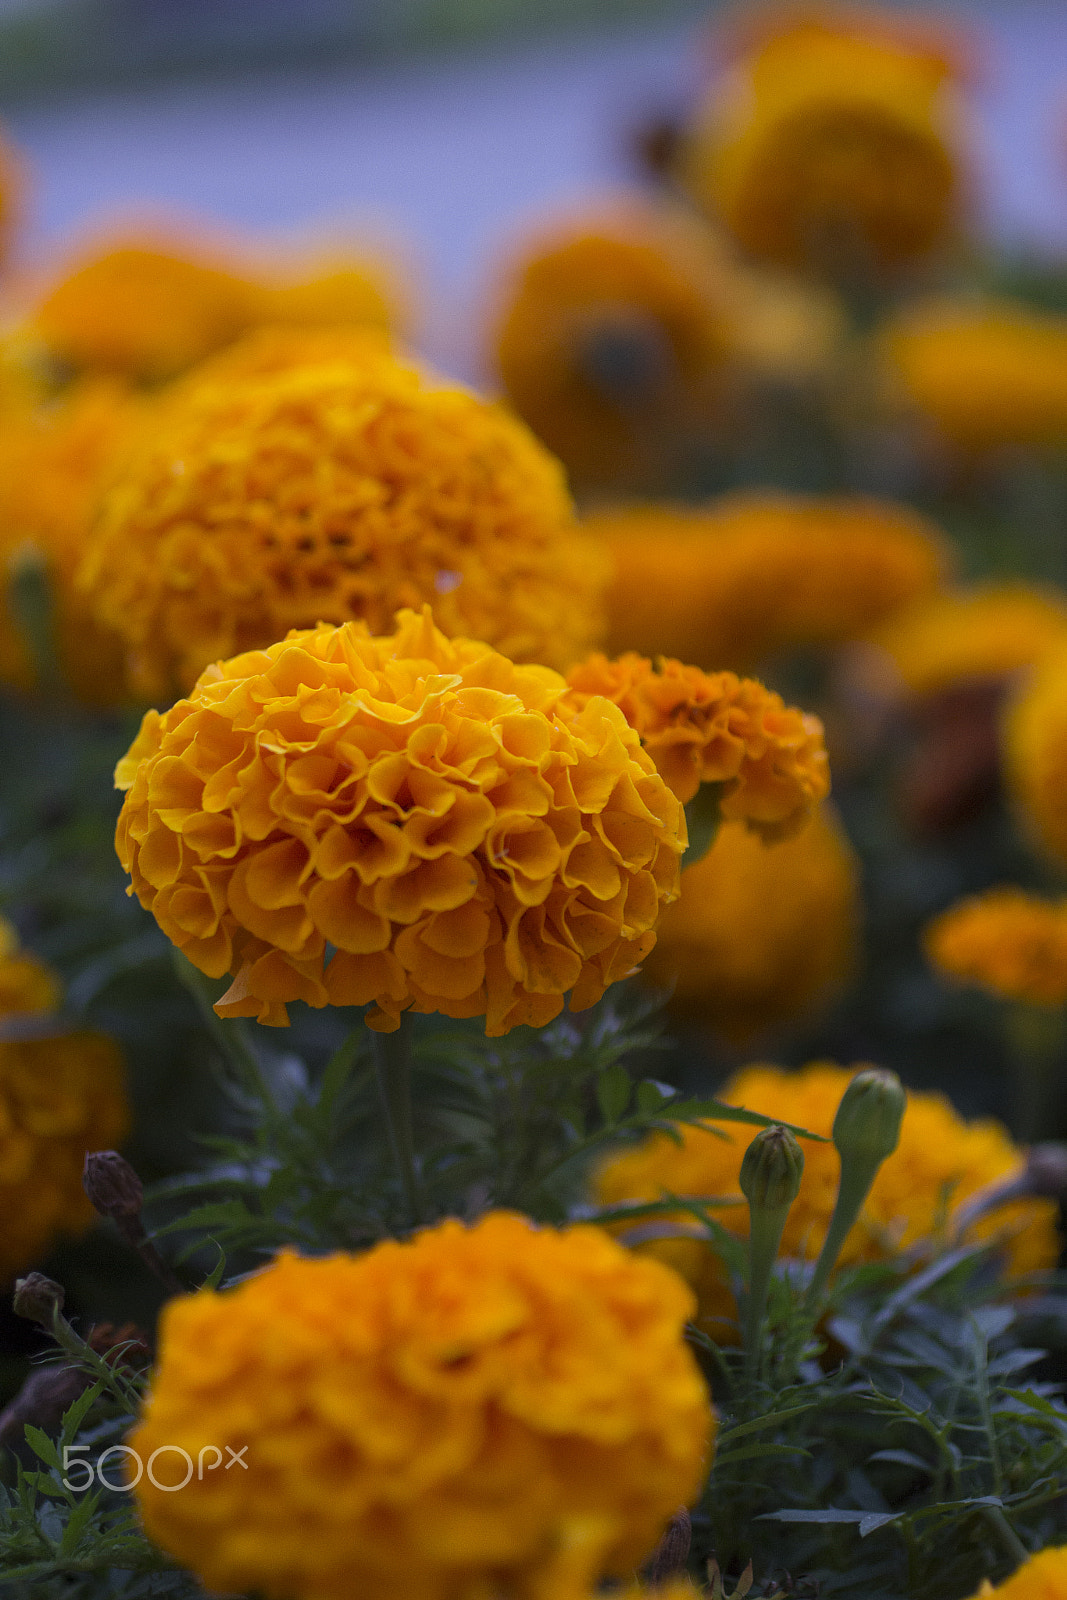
(1035, 753)
(1041, 1577)
(992, 630)
(1007, 941)
(26, 983)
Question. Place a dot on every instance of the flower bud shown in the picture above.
(114, 1189)
(867, 1124)
(771, 1170)
(37, 1298)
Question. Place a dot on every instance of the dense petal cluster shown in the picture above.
(465, 839)
(755, 574)
(56, 463)
(1041, 1577)
(613, 342)
(992, 630)
(27, 985)
(61, 1095)
(759, 936)
(940, 1158)
(984, 375)
(441, 1417)
(1007, 941)
(341, 486)
(148, 309)
(1035, 753)
(701, 727)
(831, 147)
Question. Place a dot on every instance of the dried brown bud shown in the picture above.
(114, 1189)
(37, 1298)
(672, 1552)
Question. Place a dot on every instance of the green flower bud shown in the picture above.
(867, 1124)
(37, 1298)
(772, 1169)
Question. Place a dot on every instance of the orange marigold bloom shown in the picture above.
(445, 1416)
(614, 342)
(55, 465)
(760, 936)
(336, 489)
(755, 574)
(1041, 1577)
(1035, 753)
(60, 1097)
(26, 983)
(985, 375)
(830, 145)
(466, 840)
(939, 1158)
(1007, 941)
(717, 728)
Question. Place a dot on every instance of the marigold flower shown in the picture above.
(985, 375)
(1041, 1577)
(755, 574)
(1007, 941)
(941, 1159)
(830, 145)
(1035, 753)
(717, 728)
(432, 1417)
(26, 983)
(60, 1097)
(334, 490)
(613, 343)
(55, 464)
(466, 840)
(760, 936)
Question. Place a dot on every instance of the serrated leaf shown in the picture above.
(756, 1452)
(42, 1446)
(877, 1519)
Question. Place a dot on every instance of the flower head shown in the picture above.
(939, 1161)
(459, 1407)
(1035, 752)
(760, 936)
(1009, 942)
(60, 1097)
(337, 488)
(830, 146)
(992, 630)
(466, 839)
(717, 728)
(27, 985)
(1041, 1577)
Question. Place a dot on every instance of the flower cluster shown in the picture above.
(744, 578)
(717, 728)
(27, 985)
(437, 1417)
(61, 1095)
(1009, 942)
(940, 1160)
(338, 487)
(992, 630)
(466, 840)
(758, 936)
(830, 145)
(1035, 753)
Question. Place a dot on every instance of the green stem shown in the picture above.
(227, 1034)
(392, 1066)
(1006, 1536)
(853, 1189)
(765, 1237)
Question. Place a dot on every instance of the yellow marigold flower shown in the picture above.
(441, 1416)
(1041, 1577)
(755, 574)
(1007, 941)
(613, 341)
(466, 840)
(993, 630)
(830, 145)
(717, 728)
(986, 375)
(332, 490)
(940, 1158)
(55, 465)
(1035, 753)
(759, 936)
(59, 1098)
(26, 983)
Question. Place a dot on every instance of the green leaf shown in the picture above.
(613, 1089)
(758, 1452)
(652, 1096)
(703, 816)
(42, 1446)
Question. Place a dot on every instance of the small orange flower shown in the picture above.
(1009, 942)
(26, 983)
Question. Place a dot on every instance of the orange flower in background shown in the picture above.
(336, 488)
(831, 145)
(1035, 753)
(754, 574)
(760, 936)
(466, 840)
(1041, 1577)
(462, 1413)
(717, 728)
(1009, 942)
(940, 1161)
(26, 983)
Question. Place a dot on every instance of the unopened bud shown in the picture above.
(37, 1298)
(772, 1169)
(672, 1553)
(867, 1124)
(114, 1189)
